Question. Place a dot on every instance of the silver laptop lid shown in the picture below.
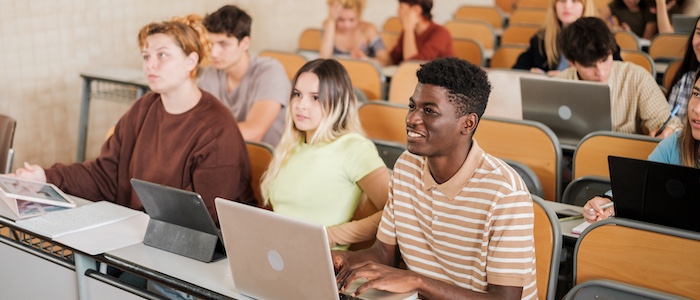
(683, 24)
(280, 257)
(571, 108)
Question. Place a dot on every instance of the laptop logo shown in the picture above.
(275, 260)
(564, 112)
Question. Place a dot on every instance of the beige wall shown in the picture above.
(45, 44)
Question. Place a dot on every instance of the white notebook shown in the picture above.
(581, 227)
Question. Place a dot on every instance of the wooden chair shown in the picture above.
(651, 256)
(310, 40)
(505, 56)
(404, 82)
(291, 62)
(392, 24)
(390, 39)
(528, 142)
(667, 46)
(470, 50)
(627, 40)
(591, 155)
(639, 58)
(260, 155)
(477, 30)
(7, 136)
(537, 4)
(519, 34)
(548, 243)
(530, 16)
(366, 76)
(600, 4)
(490, 14)
(671, 71)
(384, 121)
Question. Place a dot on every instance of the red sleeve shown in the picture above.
(436, 42)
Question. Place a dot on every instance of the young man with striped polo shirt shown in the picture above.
(462, 219)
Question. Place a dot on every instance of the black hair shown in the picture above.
(229, 19)
(587, 41)
(425, 5)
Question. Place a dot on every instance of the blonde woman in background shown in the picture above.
(345, 34)
(543, 55)
(324, 163)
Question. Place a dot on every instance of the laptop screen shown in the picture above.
(656, 192)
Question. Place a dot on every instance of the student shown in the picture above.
(664, 10)
(638, 105)
(633, 16)
(255, 89)
(680, 148)
(323, 162)
(461, 218)
(543, 55)
(177, 135)
(681, 87)
(420, 39)
(345, 34)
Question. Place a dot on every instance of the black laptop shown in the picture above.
(180, 222)
(656, 192)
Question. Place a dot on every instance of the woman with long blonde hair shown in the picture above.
(324, 163)
(543, 55)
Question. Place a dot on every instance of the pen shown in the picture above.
(571, 218)
(604, 206)
(673, 113)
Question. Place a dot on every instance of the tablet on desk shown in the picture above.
(27, 190)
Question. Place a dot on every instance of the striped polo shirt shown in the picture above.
(473, 230)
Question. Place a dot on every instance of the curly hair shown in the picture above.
(467, 85)
(229, 19)
(587, 41)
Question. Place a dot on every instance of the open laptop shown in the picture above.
(655, 192)
(571, 108)
(180, 222)
(683, 24)
(283, 257)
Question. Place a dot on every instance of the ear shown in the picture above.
(245, 43)
(469, 123)
(192, 60)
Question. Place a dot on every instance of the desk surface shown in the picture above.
(568, 225)
(120, 75)
(215, 276)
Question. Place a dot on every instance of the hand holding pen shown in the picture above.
(673, 114)
(598, 209)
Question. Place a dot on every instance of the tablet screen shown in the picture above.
(27, 189)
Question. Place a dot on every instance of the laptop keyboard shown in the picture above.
(348, 297)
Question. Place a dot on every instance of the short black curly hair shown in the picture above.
(229, 19)
(467, 85)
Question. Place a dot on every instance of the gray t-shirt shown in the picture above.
(264, 80)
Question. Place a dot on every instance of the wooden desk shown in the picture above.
(567, 225)
(112, 83)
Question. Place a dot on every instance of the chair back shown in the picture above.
(291, 62)
(582, 189)
(671, 71)
(532, 182)
(384, 120)
(404, 82)
(519, 34)
(601, 4)
(506, 56)
(366, 76)
(627, 40)
(260, 155)
(591, 155)
(527, 15)
(548, 243)
(610, 289)
(490, 14)
(473, 29)
(528, 142)
(642, 254)
(7, 136)
(507, 6)
(639, 58)
(470, 50)
(537, 4)
(310, 40)
(392, 24)
(668, 46)
(390, 39)
(389, 151)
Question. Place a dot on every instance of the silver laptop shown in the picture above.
(571, 108)
(281, 257)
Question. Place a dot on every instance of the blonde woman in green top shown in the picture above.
(324, 163)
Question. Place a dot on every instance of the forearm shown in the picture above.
(251, 132)
(662, 20)
(410, 49)
(430, 288)
(379, 252)
(355, 231)
(327, 39)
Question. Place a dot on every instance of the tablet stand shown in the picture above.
(180, 240)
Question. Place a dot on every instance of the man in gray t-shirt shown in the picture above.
(255, 89)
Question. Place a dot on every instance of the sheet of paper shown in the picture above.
(108, 237)
(580, 228)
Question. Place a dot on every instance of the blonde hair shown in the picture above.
(552, 28)
(339, 106)
(357, 5)
(188, 32)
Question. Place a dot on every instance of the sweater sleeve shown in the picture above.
(438, 44)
